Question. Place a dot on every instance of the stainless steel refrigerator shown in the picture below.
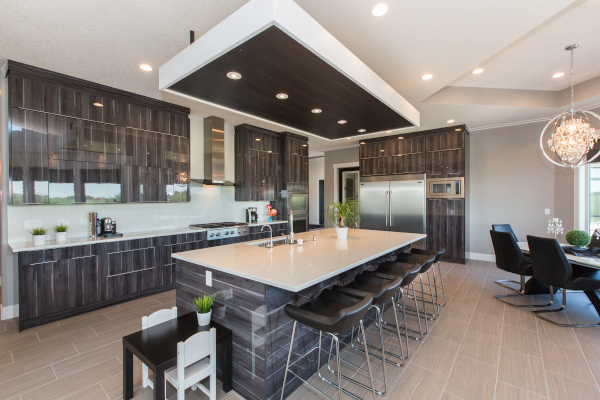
(394, 203)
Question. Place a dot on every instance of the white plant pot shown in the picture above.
(341, 233)
(39, 240)
(204, 319)
(61, 236)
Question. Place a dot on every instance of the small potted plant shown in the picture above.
(61, 233)
(342, 215)
(39, 236)
(578, 238)
(203, 307)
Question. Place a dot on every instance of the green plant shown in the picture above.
(343, 214)
(39, 231)
(60, 228)
(203, 304)
(578, 238)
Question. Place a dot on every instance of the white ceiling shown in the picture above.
(518, 43)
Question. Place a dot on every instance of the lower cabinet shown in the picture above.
(446, 227)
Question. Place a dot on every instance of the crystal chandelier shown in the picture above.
(182, 179)
(572, 137)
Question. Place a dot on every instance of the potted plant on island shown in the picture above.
(39, 236)
(61, 233)
(203, 307)
(342, 215)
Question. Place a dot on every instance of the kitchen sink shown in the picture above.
(276, 242)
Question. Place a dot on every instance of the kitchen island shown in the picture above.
(252, 284)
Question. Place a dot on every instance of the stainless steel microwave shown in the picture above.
(446, 188)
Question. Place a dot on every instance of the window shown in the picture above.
(594, 199)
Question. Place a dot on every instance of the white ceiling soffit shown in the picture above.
(515, 97)
(256, 16)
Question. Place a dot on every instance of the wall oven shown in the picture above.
(446, 188)
(299, 203)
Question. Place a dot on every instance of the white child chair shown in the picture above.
(196, 359)
(155, 318)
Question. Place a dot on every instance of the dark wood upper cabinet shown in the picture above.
(73, 141)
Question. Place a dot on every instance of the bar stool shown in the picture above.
(333, 313)
(438, 254)
(426, 262)
(407, 273)
(383, 292)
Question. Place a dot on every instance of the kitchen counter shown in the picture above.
(267, 222)
(81, 241)
(294, 267)
(252, 285)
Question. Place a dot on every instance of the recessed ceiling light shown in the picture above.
(342, 121)
(348, 138)
(304, 145)
(362, 130)
(98, 104)
(388, 131)
(316, 111)
(282, 96)
(558, 75)
(427, 77)
(257, 139)
(362, 142)
(400, 137)
(450, 121)
(477, 71)
(379, 10)
(458, 129)
(146, 67)
(234, 75)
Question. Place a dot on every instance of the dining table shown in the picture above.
(157, 348)
(533, 286)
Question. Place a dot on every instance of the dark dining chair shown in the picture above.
(510, 258)
(506, 228)
(595, 242)
(551, 266)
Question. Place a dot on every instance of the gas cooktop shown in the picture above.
(217, 225)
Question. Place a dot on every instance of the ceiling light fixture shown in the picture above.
(362, 130)
(257, 139)
(477, 71)
(558, 75)
(234, 75)
(458, 129)
(348, 138)
(572, 137)
(98, 104)
(282, 96)
(379, 10)
(316, 111)
(362, 142)
(400, 137)
(146, 67)
(450, 121)
(388, 131)
(342, 121)
(427, 77)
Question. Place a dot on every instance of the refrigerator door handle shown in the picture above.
(391, 192)
(387, 206)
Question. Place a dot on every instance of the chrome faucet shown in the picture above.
(270, 243)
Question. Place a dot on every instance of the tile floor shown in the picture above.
(478, 348)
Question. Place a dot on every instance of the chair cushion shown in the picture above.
(193, 373)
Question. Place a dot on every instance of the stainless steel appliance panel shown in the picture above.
(408, 207)
(374, 201)
(300, 224)
(446, 188)
(299, 203)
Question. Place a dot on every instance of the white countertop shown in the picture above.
(587, 261)
(80, 241)
(294, 267)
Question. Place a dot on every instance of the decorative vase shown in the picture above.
(270, 219)
(61, 236)
(341, 233)
(204, 319)
(39, 240)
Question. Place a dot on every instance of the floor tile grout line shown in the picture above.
(520, 388)
(542, 355)
(499, 349)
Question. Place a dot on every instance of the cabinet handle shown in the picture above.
(387, 205)
(44, 262)
(130, 272)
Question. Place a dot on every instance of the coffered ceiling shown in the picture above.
(519, 44)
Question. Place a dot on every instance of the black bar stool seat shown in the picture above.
(363, 286)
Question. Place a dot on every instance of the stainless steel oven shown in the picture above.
(446, 188)
(299, 203)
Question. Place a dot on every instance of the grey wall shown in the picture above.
(512, 183)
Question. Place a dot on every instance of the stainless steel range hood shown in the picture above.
(214, 153)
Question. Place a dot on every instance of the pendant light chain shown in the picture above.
(572, 81)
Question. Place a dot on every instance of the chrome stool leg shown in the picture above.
(287, 366)
(442, 281)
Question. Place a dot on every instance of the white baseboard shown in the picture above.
(9, 312)
(481, 257)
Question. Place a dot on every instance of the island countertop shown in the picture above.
(294, 267)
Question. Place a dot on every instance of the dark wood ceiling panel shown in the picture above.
(272, 62)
